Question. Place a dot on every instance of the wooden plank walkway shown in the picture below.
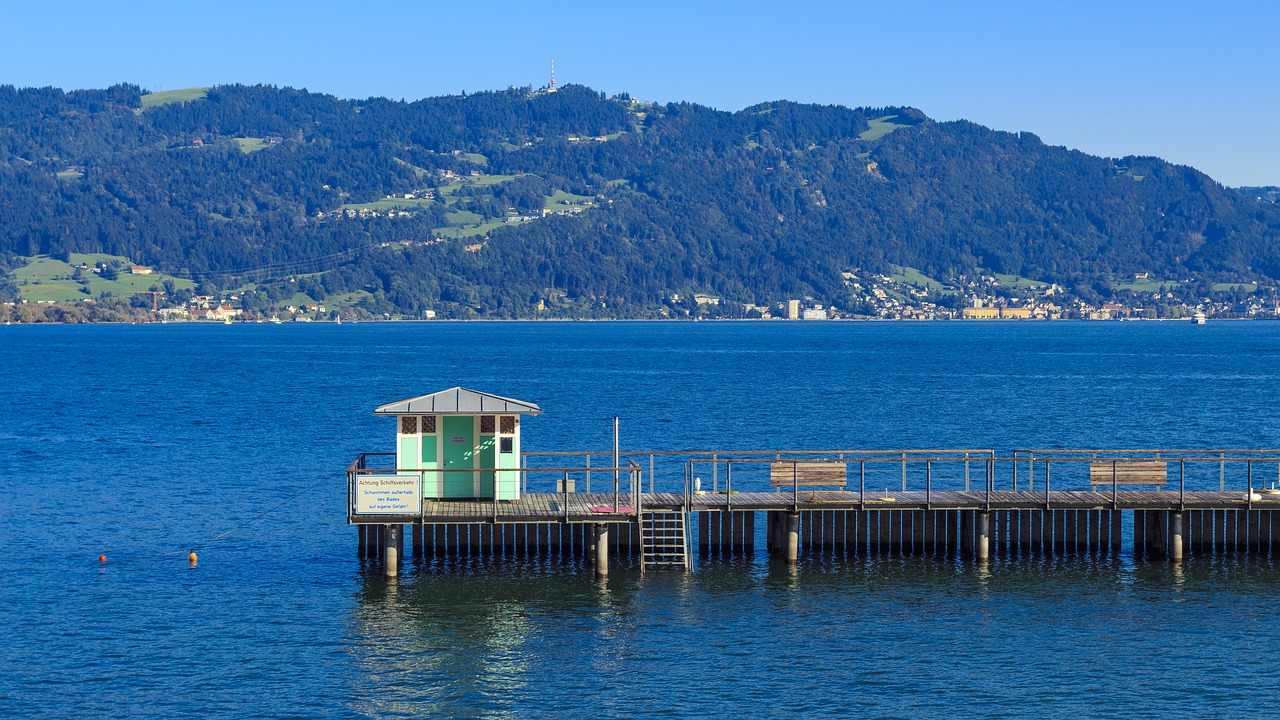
(599, 507)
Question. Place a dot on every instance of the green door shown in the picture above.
(487, 459)
(459, 452)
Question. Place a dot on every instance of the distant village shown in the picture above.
(988, 297)
(873, 296)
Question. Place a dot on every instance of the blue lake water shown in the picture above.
(142, 442)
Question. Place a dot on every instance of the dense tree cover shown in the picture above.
(771, 202)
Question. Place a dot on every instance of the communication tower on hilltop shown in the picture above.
(552, 87)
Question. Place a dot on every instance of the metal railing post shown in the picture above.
(904, 472)
(639, 494)
(1182, 484)
(616, 460)
(990, 479)
(728, 485)
(795, 486)
(966, 472)
(1046, 484)
(1249, 471)
(928, 482)
(687, 491)
(1115, 497)
(862, 484)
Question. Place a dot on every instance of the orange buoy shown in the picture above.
(102, 558)
(192, 557)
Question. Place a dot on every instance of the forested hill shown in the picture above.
(520, 203)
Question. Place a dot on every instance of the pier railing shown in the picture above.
(624, 494)
(686, 477)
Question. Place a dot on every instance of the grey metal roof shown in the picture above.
(457, 401)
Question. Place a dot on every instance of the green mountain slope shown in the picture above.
(500, 203)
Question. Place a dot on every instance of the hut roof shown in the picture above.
(457, 401)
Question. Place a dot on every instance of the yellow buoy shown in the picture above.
(192, 557)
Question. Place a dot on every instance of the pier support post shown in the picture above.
(390, 550)
(983, 548)
(1175, 538)
(361, 545)
(793, 537)
(602, 550)
(417, 540)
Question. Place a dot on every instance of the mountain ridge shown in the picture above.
(498, 203)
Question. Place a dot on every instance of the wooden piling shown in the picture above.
(716, 530)
(1139, 533)
(793, 537)
(983, 545)
(1160, 533)
(602, 550)
(390, 550)
(1175, 537)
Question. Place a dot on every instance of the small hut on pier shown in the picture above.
(457, 430)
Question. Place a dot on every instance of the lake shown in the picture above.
(142, 442)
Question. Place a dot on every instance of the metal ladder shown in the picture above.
(664, 544)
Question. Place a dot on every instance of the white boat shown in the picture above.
(227, 321)
(1198, 318)
(275, 319)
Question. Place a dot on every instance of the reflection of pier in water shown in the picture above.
(972, 504)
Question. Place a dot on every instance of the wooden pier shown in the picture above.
(966, 504)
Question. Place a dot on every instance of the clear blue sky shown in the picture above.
(1194, 83)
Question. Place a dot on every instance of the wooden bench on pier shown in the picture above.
(1128, 472)
(808, 474)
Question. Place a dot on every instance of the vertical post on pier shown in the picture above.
(1175, 539)
(390, 550)
(616, 459)
(417, 539)
(793, 537)
(602, 549)
(984, 536)
(361, 544)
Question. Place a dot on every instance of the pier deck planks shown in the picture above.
(578, 507)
